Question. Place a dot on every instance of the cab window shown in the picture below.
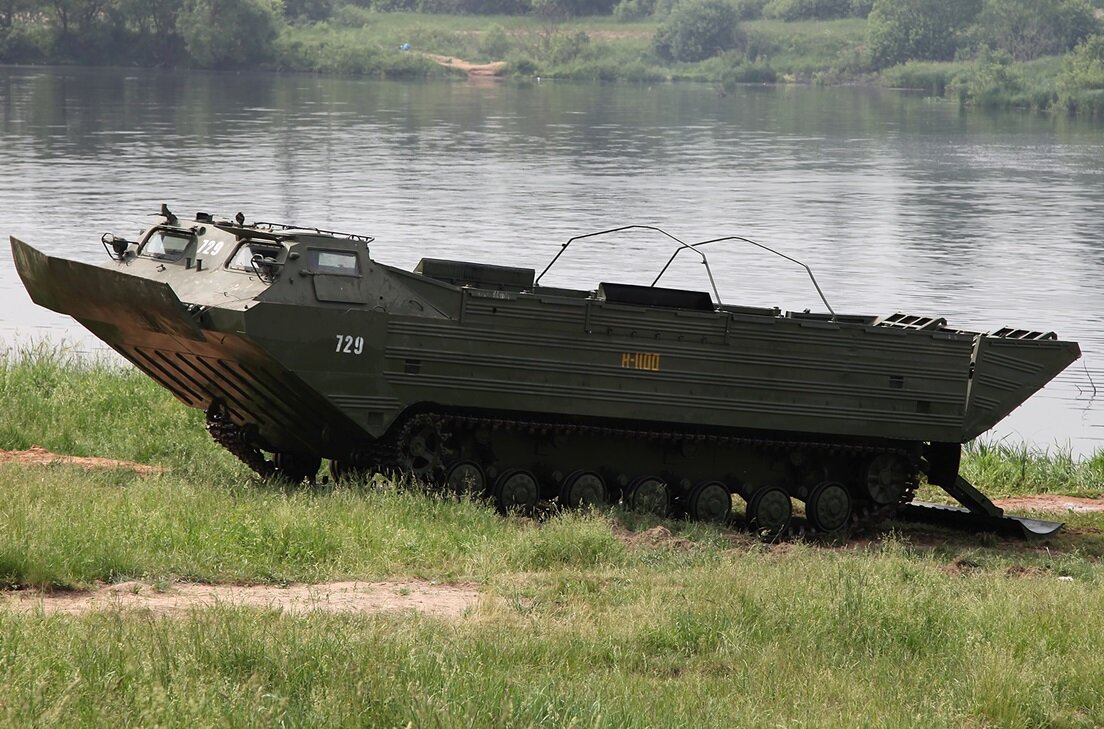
(166, 244)
(342, 263)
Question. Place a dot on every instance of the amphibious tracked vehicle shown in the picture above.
(300, 346)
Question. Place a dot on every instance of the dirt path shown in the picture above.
(1051, 503)
(448, 601)
(472, 69)
(39, 456)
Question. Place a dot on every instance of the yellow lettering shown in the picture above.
(640, 361)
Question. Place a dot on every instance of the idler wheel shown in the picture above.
(829, 507)
(769, 510)
(583, 488)
(649, 495)
(296, 467)
(422, 451)
(466, 477)
(516, 490)
(710, 501)
(886, 478)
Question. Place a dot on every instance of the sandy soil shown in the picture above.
(448, 601)
(39, 456)
(657, 536)
(472, 69)
(1050, 503)
(617, 34)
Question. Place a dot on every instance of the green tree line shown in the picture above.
(990, 36)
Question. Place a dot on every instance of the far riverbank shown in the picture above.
(358, 42)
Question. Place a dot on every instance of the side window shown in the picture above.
(165, 244)
(342, 263)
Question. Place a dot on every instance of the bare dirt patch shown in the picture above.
(39, 456)
(1050, 503)
(491, 69)
(617, 34)
(962, 567)
(448, 601)
(657, 536)
(1021, 571)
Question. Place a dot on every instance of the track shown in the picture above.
(446, 449)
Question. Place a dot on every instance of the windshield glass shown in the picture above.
(242, 260)
(166, 244)
(243, 257)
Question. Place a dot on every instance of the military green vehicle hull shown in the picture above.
(297, 343)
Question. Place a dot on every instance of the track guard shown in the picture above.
(980, 513)
(961, 518)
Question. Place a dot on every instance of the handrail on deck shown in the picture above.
(682, 245)
(695, 246)
(705, 261)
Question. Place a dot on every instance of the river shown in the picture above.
(897, 202)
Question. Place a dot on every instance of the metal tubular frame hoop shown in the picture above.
(694, 247)
(276, 227)
(682, 245)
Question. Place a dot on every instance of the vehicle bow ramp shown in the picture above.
(99, 297)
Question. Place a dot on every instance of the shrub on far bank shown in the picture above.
(1031, 28)
(1082, 79)
(807, 9)
(19, 45)
(698, 29)
(308, 11)
(917, 30)
(1085, 66)
(629, 10)
(990, 82)
(929, 76)
(228, 33)
(748, 72)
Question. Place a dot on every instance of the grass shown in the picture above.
(65, 528)
(898, 644)
(1010, 470)
(358, 41)
(576, 626)
(803, 636)
(54, 397)
(811, 50)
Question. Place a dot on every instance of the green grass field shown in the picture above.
(578, 623)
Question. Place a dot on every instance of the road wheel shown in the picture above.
(516, 490)
(583, 488)
(710, 501)
(829, 507)
(649, 495)
(768, 511)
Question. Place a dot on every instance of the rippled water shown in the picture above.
(897, 202)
